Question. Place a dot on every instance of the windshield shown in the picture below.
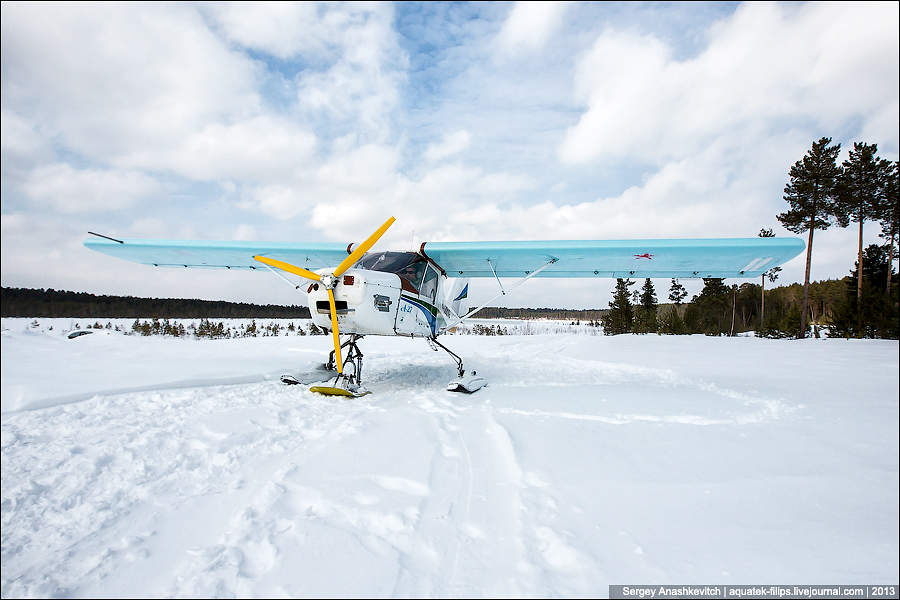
(407, 265)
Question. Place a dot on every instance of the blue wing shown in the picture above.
(736, 257)
(741, 257)
(219, 255)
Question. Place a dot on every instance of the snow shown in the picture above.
(151, 466)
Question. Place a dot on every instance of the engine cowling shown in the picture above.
(366, 302)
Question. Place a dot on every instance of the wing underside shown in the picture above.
(736, 257)
(219, 255)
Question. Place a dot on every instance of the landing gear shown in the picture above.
(348, 383)
(353, 360)
(432, 341)
(463, 383)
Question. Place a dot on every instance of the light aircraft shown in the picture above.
(423, 294)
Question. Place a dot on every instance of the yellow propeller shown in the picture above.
(280, 264)
(331, 282)
(357, 254)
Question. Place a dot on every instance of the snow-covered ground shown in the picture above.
(153, 466)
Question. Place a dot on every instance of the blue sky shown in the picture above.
(465, 121)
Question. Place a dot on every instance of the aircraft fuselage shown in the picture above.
(407, 302)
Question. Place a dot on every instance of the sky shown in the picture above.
(488, 121)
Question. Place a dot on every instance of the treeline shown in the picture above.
(23, 302)
(729, 310)
(215, 331)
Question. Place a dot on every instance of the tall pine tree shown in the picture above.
(862, 187)
(811, 195)
(889, 215)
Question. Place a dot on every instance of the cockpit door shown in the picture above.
(417, 314)
(430, 284)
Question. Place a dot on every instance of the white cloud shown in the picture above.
(358, 91)
(450, 145)
(20, 141)
(254, 149)
(110, 82)
(282, 29)
(530, 25)
(765, 64)
(69, 190)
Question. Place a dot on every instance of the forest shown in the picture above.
(24, 302)
(730, 310)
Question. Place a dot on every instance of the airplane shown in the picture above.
(424, 293)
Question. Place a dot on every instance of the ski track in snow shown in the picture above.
(562, 476)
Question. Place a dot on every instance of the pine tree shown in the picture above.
(772, 274)
(811, 196)
(862, 191)
(677, 293)
(645, 315)
(712, 307)
(620, 318)
(889, 215)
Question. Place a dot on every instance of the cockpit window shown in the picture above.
(407, 265)
(429, 286)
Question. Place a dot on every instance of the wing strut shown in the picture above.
(296, 286)
(502, 293)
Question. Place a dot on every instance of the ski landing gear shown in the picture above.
(348, 383)
(463, 383)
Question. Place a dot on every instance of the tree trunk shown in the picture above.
(887, 289)
(859, 279)
(762, 308)
(806, 284)
(733, 308)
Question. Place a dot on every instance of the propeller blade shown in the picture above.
(334, 332)
(279, 264)
(362, 249)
